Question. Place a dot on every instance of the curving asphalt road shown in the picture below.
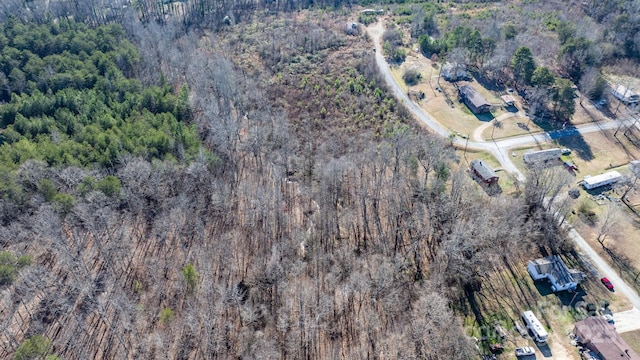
(500, 150)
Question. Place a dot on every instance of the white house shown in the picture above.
(556, 271)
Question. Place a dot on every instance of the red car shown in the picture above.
(607, 283)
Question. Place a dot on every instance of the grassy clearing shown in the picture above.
(633, 339)
(396, 72)
(506, 182)
(598, 152)
(509, 127)
(593, 153)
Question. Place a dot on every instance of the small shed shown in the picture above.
(508, 100)
(484, 171)
(476, 102)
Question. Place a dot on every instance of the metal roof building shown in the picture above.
(601, 337)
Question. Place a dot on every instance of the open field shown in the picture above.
(443, 104)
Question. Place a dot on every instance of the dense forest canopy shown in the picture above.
(70, 99)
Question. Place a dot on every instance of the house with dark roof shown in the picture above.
(556, 271)
(476, 102)
(483, 171)
(599, 336)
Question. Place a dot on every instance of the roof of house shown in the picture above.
(602, 337)
(542, 155)
(554, 266)
(473, 96)
(484, 170)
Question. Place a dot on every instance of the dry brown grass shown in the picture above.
(633, 339)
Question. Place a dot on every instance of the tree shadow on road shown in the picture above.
(578, 146)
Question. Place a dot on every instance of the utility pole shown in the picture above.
(465, 148)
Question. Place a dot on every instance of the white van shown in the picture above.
(539, 333)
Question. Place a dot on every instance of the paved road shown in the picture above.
(627, 320)
(500, 150)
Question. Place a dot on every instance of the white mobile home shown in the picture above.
(625, 95)
(539, 333)
(607, 178)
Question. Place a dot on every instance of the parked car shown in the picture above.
(609, 318)
(565, 151)
(525, 351)
(607, 283)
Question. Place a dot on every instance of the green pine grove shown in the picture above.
(68, 97)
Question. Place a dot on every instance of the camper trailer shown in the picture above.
(539, 333)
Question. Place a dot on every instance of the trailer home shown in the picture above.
(607, 178)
